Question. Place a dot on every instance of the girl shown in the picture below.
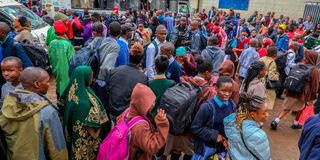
(207, 125)
(84, 116)
(252, 84)
(246, 139)
(23, 29)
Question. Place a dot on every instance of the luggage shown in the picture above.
(297, 78)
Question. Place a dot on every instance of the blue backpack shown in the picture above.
(144, 63)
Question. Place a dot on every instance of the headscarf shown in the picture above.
(312, 57)
(79, 99)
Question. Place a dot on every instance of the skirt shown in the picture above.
(293, 104)
(182, 143)
(271, 98)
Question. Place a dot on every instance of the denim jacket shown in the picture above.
(254, 137)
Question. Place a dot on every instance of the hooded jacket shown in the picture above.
(227, 68)
(145, 141)
(215, 55)
(32, 127)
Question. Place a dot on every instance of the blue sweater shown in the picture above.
(18, 51)
(208, 123)
(123, 57)
(174, 71)
(309, 143)
(283, 43)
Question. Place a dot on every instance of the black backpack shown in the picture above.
(179, 103)
(37, 54)
(4, 152)
(144, 60)
(297, 78)
(281, 60)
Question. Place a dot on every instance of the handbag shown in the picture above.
(272, 84)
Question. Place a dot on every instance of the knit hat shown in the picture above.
(60, 16)
(181, 51)
(59, 27)
(267, 42)
(283, 26)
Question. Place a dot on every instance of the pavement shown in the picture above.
(283, 141)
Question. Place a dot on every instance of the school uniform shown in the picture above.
(174, 71)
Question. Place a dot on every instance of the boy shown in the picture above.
(174, 72)
(11, 68)
(30, 122)
(60, 52)
(160, 84)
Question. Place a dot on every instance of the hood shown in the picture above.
(227, 67)
(212, 51)
(195, 81)
(22, 104)
(142, 100)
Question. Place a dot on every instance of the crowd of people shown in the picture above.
(119, 69)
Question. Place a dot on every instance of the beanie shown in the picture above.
(60, 16)
(59, 27)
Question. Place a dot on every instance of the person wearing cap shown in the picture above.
(187, 61)
(283, 39)
(123, 41)
(214, 54)
(60, 51)
(69, 31)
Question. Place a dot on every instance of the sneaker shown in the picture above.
(274, 125)
(296, 126)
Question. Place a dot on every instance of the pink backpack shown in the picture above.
(116, 144)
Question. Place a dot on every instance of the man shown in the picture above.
(283, 39)
(126, 34)
(122, 81)
(10, 47)
(195, 41)
(308, 24)
(246, 58)
(181, 34)
(267, 19)
(169, 23)
(240, 28)
(152, 52)
(212, 12)
(174, 71)
(214, 54)
(30, 122)
(240, 44)
(109, 50)
(69, 14)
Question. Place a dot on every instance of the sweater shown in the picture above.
(174, 71)
(215, 55)
(124, 53)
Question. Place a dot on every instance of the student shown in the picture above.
(181, 34)
(296, 101)
(240, 44)
(246, 139)
(83, 115)
(195, 40)
(272, 74)
(227, 69)
(123, 42)
(207, 126)
(283, 39)
(35, 131)
(160, 84)
(252, 84)
(122, 80)
(144, 140)
(174, 71)
(187, 61)
(11, 68)
(60, 52)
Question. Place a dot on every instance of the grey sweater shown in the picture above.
(215, 55)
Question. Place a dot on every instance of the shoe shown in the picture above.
(281, 97)
(296, 126)
(274, 125)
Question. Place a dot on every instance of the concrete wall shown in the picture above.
(292, 8)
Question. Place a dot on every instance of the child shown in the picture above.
(11, 68)
(174, 72)
(207, 126)
(28, 119)
(246, 139)
(160, 84)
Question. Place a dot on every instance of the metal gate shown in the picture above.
(312, 9)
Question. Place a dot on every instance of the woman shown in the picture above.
(246, 139)
(272, 74)
(252, 84)
(84, 116)
(145, 33)
(23, 29)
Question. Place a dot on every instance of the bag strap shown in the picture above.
(156, 48)
(269, 68)
(247, 147)
(135, 121)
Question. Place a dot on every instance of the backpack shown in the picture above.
(37, 54)
(297, 78)
(116, 144)
(179, 103)
(4, 152)
(281, 60)
(144, 60)
(88, 56)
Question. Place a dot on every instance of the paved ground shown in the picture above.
(283, 142)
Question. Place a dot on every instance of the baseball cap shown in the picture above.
(283, 26)
(180, 51)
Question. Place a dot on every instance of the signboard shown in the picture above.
(235, 4)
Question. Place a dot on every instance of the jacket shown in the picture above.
(178, 35)
(124, 53)
(215, 55)
(283, 42)
(32, 127)
(195, 42)
(271, 67)
(145, 141)
(309, 142)
(256, 88)
(254, 137)
(24, 34)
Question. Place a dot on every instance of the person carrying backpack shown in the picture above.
(308, 82)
